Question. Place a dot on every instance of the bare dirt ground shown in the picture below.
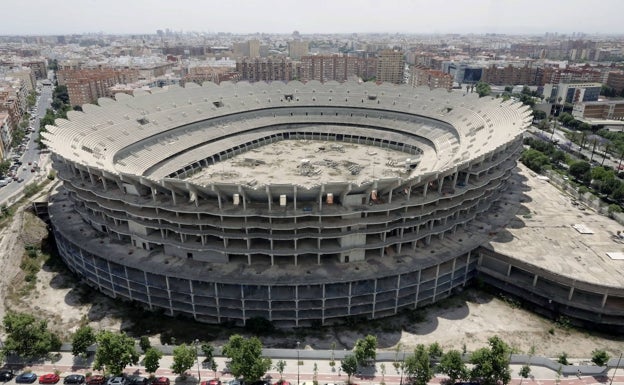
(464, 321)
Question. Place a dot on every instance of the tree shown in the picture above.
(563, 359)
(152, 360)
(435, 350)
(245, 356)
(144, 343)
(279, 366)
(82, 339)
(418, 366)
(4, 166)
(483, 89)
(525, 371)
(349, 365)
(114, 352)
(183, 359)
(581, 171)
(208, 351)
(534, 159)
(365, 349)
(491, 364)
(28, 337)
(600, 357)
(453, 366)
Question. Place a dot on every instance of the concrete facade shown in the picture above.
(132, 224)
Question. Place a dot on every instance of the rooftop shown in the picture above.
(543, 234)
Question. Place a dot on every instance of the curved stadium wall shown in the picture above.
(130, 220)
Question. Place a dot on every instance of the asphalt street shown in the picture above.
(67, 364)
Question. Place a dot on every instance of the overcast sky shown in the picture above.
(33, 17)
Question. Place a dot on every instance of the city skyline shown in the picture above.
(44, 17)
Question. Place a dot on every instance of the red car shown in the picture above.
(97, 379)
(160, 381)
(214, 381)
(50, 378)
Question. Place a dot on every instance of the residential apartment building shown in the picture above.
(298, 49)
(39, 68)
(336, 67)
(615, 80)
(510, 75)
(87, 85)
(390, 66)
(421, 76)
(250, 48)
(6, 134)
(611, 110)
(267, 69)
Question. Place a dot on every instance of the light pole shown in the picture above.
(297, 362)
(197, 356)
(616, 368)
(402, 367)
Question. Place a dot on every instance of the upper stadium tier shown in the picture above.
(163, 134)
(299, 203)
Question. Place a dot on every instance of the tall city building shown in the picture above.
(421, 76)
(338, 68)
(266, 69)
(87, 85)
(297, 49)
(390, 66)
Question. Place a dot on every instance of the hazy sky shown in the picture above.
(32, 17)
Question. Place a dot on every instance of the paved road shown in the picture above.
(542, 376)
(31, 153)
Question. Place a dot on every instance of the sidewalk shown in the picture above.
(67, 364)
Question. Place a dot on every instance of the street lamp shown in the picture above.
(402, 367)
(197, 355)
(616, 368)
(297, 362)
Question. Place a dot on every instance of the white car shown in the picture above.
(116, 381)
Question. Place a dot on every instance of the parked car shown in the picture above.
(96, 379)
(137, 380)
(118, 380)
(49, 378)
(6, 375)
(26, 378)
(161, 381)
(74, 378)
(214, 381)
(263, 382)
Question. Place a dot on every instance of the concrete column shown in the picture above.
(509, 270)
(571, 293)
(216, 297)
(604, 300)
(269, 199)
(295, 197)
(435, 284)
(374, 298)
(535, 280)
(417, 289)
